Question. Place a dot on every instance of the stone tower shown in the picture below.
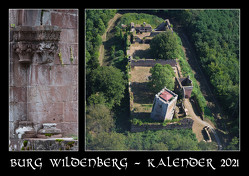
(164, 105)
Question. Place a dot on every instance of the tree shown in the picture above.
(161, 76)
(108, 80)
(234, 144)
(159, 146)
(164, 45)
(98, 119)
(97, 98)
(107, 141)
(100, 26)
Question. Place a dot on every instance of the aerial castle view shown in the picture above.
(162, 79)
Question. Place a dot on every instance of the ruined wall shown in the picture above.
(45, 92)
(151, 62)
(185, 123)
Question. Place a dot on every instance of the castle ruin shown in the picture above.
(164, 105)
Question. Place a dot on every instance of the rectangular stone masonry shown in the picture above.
(64, 20)
(41, 89)
(18, 94)
(71, 111)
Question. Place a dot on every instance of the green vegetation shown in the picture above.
(148, 121)
(107, 85)
(48, 134)
(148, 140)
(187, 71)
(164, 45)
(215, 35)
(107, 96)
(25, 142)
(59, 140)
(96, 23)
(99, 119)
(161, 76)
(140, 18)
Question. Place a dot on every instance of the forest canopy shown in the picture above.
(215, 34)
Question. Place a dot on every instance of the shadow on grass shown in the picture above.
(146, 54)
(142, 93)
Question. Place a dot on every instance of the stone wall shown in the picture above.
(43, 144)
(185, 123)
(45, 92)
(152, 62)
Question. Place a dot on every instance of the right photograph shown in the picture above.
(162, 79)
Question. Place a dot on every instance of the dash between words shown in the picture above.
(113, 162)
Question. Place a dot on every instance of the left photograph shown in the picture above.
(43, 79)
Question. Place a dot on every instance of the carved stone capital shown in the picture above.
(47, 51)
(25, 51)
(42, 40)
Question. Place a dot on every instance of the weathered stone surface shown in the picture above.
(64, 20)
(19, 75)
(46, 112)
(18, 94)
(38, 144)
(164, 105)
(39, 75)
(17, 111)
(64, 75)
(44, 91)
(71, 111)
(42, 40)
(69, 36)
(68, 128)
(49, 130)
(22, 132)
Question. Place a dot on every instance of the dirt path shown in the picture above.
(109, 27)
(200, 124)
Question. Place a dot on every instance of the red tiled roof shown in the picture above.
(166, 95)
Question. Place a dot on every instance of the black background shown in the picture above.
(132, 156)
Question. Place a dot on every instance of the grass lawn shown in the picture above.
(143, 97)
